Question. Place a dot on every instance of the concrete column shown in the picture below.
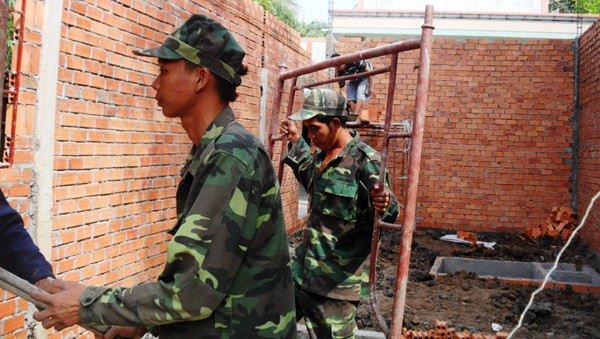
(545, 6)
(43, 135)
(262, 120)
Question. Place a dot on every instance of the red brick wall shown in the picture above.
(496, 152)
(117, 159)
(496, 155)
(588, 173)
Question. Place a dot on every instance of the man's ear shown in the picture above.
(337, 123)
(202, 75)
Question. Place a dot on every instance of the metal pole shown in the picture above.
(408, 224)
(23, 289)
(393, 48)
(3, 38)
(389, 109)
(15, 103)
(400, 46)
(284, 138)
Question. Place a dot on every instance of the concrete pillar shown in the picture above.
(545, 6)
(262, 120)
(43, 135)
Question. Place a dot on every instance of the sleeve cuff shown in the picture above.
(89, 296)
(297, 151)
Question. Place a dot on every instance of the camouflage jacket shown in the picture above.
(331, 259)
(227, 273)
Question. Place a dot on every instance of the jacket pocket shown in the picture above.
(339, 199)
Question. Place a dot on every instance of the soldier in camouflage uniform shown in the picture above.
(342, 179)
(227, 273)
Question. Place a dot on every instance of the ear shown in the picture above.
(336, 122)
(202, 75)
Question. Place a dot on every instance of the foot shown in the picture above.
(364, 117)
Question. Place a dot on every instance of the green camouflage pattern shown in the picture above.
(326, 318)
(227, 273)
(321, 102)
(337, 238)
(203, 42)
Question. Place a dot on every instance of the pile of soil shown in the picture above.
(467, 302)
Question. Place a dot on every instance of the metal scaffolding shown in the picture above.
(416, 141)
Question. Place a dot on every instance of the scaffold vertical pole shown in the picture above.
(408, 224)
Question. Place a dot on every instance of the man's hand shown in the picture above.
(63, 307)
(380, 198)
(123, 332)
(289, 129)
(46, 285)
(370, 93)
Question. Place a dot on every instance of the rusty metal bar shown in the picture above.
(397, 135)
(15, 93)
(392, 48)
(396, 47)
(3, 38)
(284, 138)
(389, 226)
(382, 175)
(416, 134)
(344, 78)
(413, 173)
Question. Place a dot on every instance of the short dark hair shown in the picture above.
(327, 119)
(227, 91)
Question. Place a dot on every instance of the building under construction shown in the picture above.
(482, 135)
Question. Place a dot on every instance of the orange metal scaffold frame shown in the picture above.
(14, 92)
(416, 136)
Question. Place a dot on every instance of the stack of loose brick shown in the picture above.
(443, 332)
(468, 236)
(560, 223)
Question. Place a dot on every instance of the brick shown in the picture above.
(14, 323)
(8, 307)
(488, 178)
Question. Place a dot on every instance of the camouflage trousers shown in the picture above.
(326, 318)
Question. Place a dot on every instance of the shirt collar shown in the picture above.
(215, 129)
(351, 144)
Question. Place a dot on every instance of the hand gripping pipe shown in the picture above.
(23, 288)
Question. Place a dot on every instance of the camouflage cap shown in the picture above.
(203, 42)
(321, 102)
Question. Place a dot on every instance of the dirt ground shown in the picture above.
(469, 303)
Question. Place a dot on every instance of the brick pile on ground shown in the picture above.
(561, 223)
(442, 331)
